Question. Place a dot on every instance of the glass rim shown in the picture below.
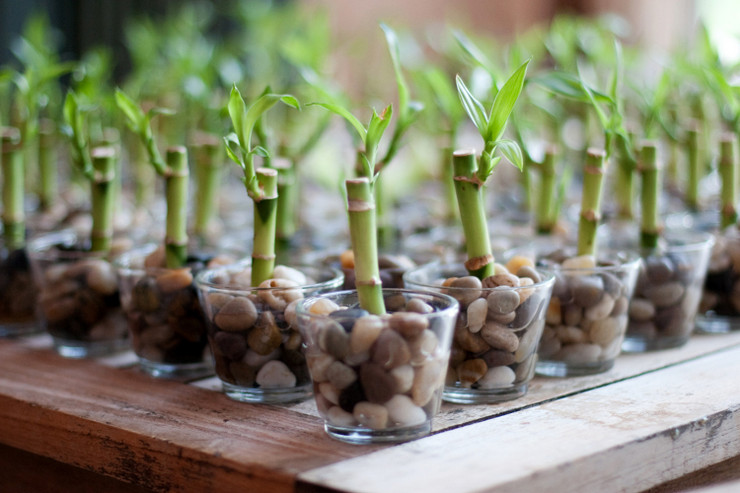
(452, 303)
(41, 247)
(201, 283)
(543, 283)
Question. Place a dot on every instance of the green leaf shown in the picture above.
(504, 103)
(376, 128)
(511, 151)
(260, 151)
(238, 114)
(134, 114)
(474, 52)
(344, 113)
(228, 141)
(472, 106)
(569, 86)
(403, 90)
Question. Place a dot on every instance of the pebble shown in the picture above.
(230, 345)
(587, 290)
(403, 412)
(467, 290)
(290, 274)
(427, 380)
(554, 312)
(365, 332)
(476, 314)
(548, 347)
(275, 374)
(505, 279)
(578, 354)
(502, 300)
(339, 417)
(243, 374)
(346, 318)
(499, 337)
(570, 335)
(572, 315)
(418, 306)
(408, 324)
(613, 286)
(497, 357)
(499, 377)
(373, 416)
(601, 309)
(641, 310)
(471, 370)
(519, 262)
(423, 347)
(257, 360)
(404, 376)
(659, 270)
(351, 396)
(340, 375)
(236, 315)
(329, 392)
(378, 385)
(667, 294)
(604, 331)
(101, 277)
(334, 340)
(318, 363)
(528, 342)
(323, 306)
(277, 293)
(390, 350)
(528, 272)
(468, 341)
(215, 300)
(621, 306)
(579, 262)
(172, 280)
(265, 336)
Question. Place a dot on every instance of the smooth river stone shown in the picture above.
(339, 417)
(500, 377)
(378, 385)
(502, 300)
(236, 315)
(391, 350)
(365, 332)
(334, 340)
(571, 314)
(404, 376)
(470, 371)
(264, 338)
(667, 294)
(587, 290)
(579, 353)
(329, 392)
(659, 269)
(403, 412)
(499, 337)
(373, 416)
(101, 277)
(427, 379)
(408, 324)
(641, 310)
(470, 289)
(275, 374)
(232, 346)
(477, 312)
(604, 331)
(528, 342)
(600, 310)
(613, 286)
(423, 347)
(340, 375)
(496, 357)
(174, 279)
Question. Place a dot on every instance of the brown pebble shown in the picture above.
(470, 371)
(172, 280)
(265, 337)
(499, 337)
(408, 324)
(379, 385)
(390, 350)
(236, 315)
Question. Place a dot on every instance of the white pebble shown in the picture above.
(498, 377)
(339, 417)
(404, 376)
(285, 272)
(403, 412)
(580, 262)
(374, 416)
(330, 393)
(275, 374)
(477, 311)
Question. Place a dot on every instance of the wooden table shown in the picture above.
(654, 419)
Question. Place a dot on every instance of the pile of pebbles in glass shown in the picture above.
(376, 372)
(498, 328)
(165, 318)
(17, 288)
(588, 313)
(253, 334)
(721, 294)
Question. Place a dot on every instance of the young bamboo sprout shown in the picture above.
(547, 209)
(261, 184)
(593, 177)
(14, 226)
(175, 173)
(470, 176)
(363, 234)
(287, 192)
(729, 185)
(47, 165)
(208, 165)
(693, 162)
(649, 230)
(102, 201)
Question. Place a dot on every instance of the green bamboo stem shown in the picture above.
(103, 188)
(526, 183)
(694, 167)
(176, 193)
(13, 217)
(287, 190)
(363, 235)
(469, 191)
(144, 176)
(449, 184)
(593, 179)
(728, 173)
(625, 180)
(265, 223)
(547, 202)
(48, 188)
(649, 230)
(383, 208)
(208, 166)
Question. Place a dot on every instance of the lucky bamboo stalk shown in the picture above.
(287, 192)
(625, 179)
(208, 154)
(48, 182)
(102, 198)
(13, 216)
(649, 229)
(176, 192)
(469, 192)
(593, 175)
(265, 220)
(728, 174)
(694, 167)
(363, 235)
(547, 208)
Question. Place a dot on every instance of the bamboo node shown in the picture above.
(360, 206)
(477, 263)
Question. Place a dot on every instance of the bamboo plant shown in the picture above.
(98, 166)
(260, 183)
(13, 216)
(471, 173)
(175, 172)
(588, 222)
(728, 174)
(649, 228)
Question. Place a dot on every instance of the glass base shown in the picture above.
(462, 395)
(185, 371)
(641, 345)
(86, 349)
(362, 436)
(267, 396)
(18, 329)
(717, 324)
(563, 369)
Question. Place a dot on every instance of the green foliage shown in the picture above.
(139, 122)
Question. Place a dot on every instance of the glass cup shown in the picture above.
(79, 303)
(497, 330)
(165, 319)
(253, 335)
(18, 293)
(377, 378)
(587, 317)
(669, 288)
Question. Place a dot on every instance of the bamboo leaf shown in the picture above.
(403, 90)
(261, 151)
(472, 106)
(569, 86)
(504, 103)
(134, 114)
(344, 113)
(511, 151)
(376, 128)
(229, 141)
(238, 114)
(473, 52)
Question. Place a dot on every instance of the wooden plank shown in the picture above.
(162, 435)
(724, 476)
(627, 436)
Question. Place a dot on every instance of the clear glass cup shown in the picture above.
(79, 302)
(587, 317)
(719, 309)
(165, 319)
(254, 339)
(669, 288)
(377, 378)
(18, 293)
(497, 330)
